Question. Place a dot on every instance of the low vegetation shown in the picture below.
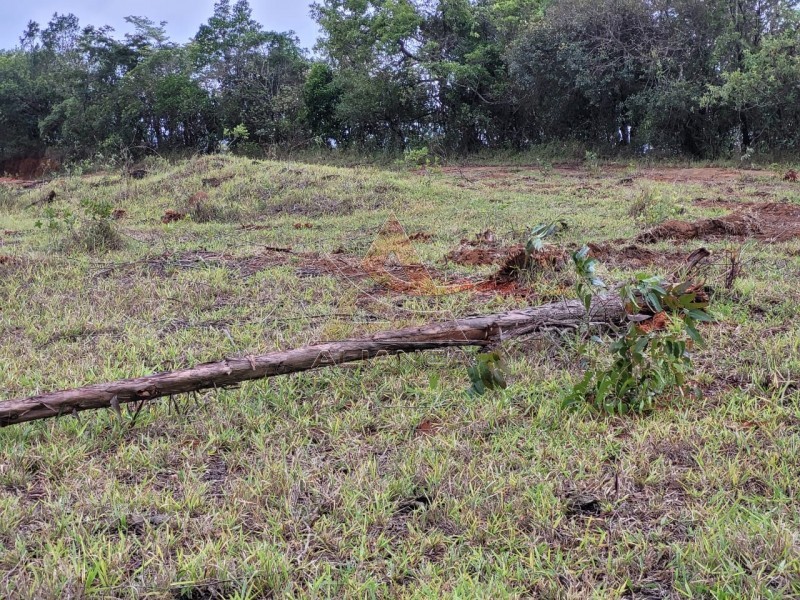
(394, 478)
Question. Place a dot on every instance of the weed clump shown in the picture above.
(652, 208)
(98, 235)
(8, 199)
(92, 230)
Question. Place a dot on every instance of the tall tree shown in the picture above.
(253, 75)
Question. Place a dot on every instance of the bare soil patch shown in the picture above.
(704, 175)
(483, 249)
(517, 262)
(24, 183)
(697, 175)
(29, 167)
(172, 216)
(769, 222)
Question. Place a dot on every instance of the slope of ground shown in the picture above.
(385, 479)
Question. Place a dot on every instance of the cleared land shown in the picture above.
(385, 479)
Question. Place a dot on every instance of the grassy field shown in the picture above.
(383, 479)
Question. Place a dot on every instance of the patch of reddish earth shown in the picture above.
(172, 216)
(624, 254)
(701, 175)
(549, 258)
(768, 222)
(513, 260)
(29, 167)
(483, 249)
(474, 257)
(24, 183)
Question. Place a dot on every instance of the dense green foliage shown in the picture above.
(697, 77)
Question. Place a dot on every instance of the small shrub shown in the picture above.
(97, 232)
(98, 235)
(8, 199)
(93, 230)
(652, 208)
(488, 373)
(420, 157)
(57, 219)
(237, 140)
(592, 162)
(540, 233)
(649, 359)
(588, 283)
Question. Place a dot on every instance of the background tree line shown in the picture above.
(699, 77)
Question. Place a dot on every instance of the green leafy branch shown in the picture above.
(647, 361)
(488, 373)
(540, 233)
(588, 283)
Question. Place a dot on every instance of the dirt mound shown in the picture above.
(484, 249)
(517, 262)
(629, 255)
(28, 168)
(772, 222)
(421, 236)
(474, 257)
(172, 216)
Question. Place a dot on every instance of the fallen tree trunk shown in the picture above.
(473, 331)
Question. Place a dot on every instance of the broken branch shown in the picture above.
(483, 330)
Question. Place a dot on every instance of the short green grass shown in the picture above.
(382, 479)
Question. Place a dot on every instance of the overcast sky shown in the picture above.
(183, 17)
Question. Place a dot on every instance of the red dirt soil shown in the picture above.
(701, 175)
(657, 322)
(769, 222)
(25, 183)
(171, 216)
(517, 262)
(484, 249)
(28, 168)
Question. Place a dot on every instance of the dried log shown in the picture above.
(483, 330)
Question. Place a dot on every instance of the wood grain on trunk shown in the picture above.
(472, 331)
